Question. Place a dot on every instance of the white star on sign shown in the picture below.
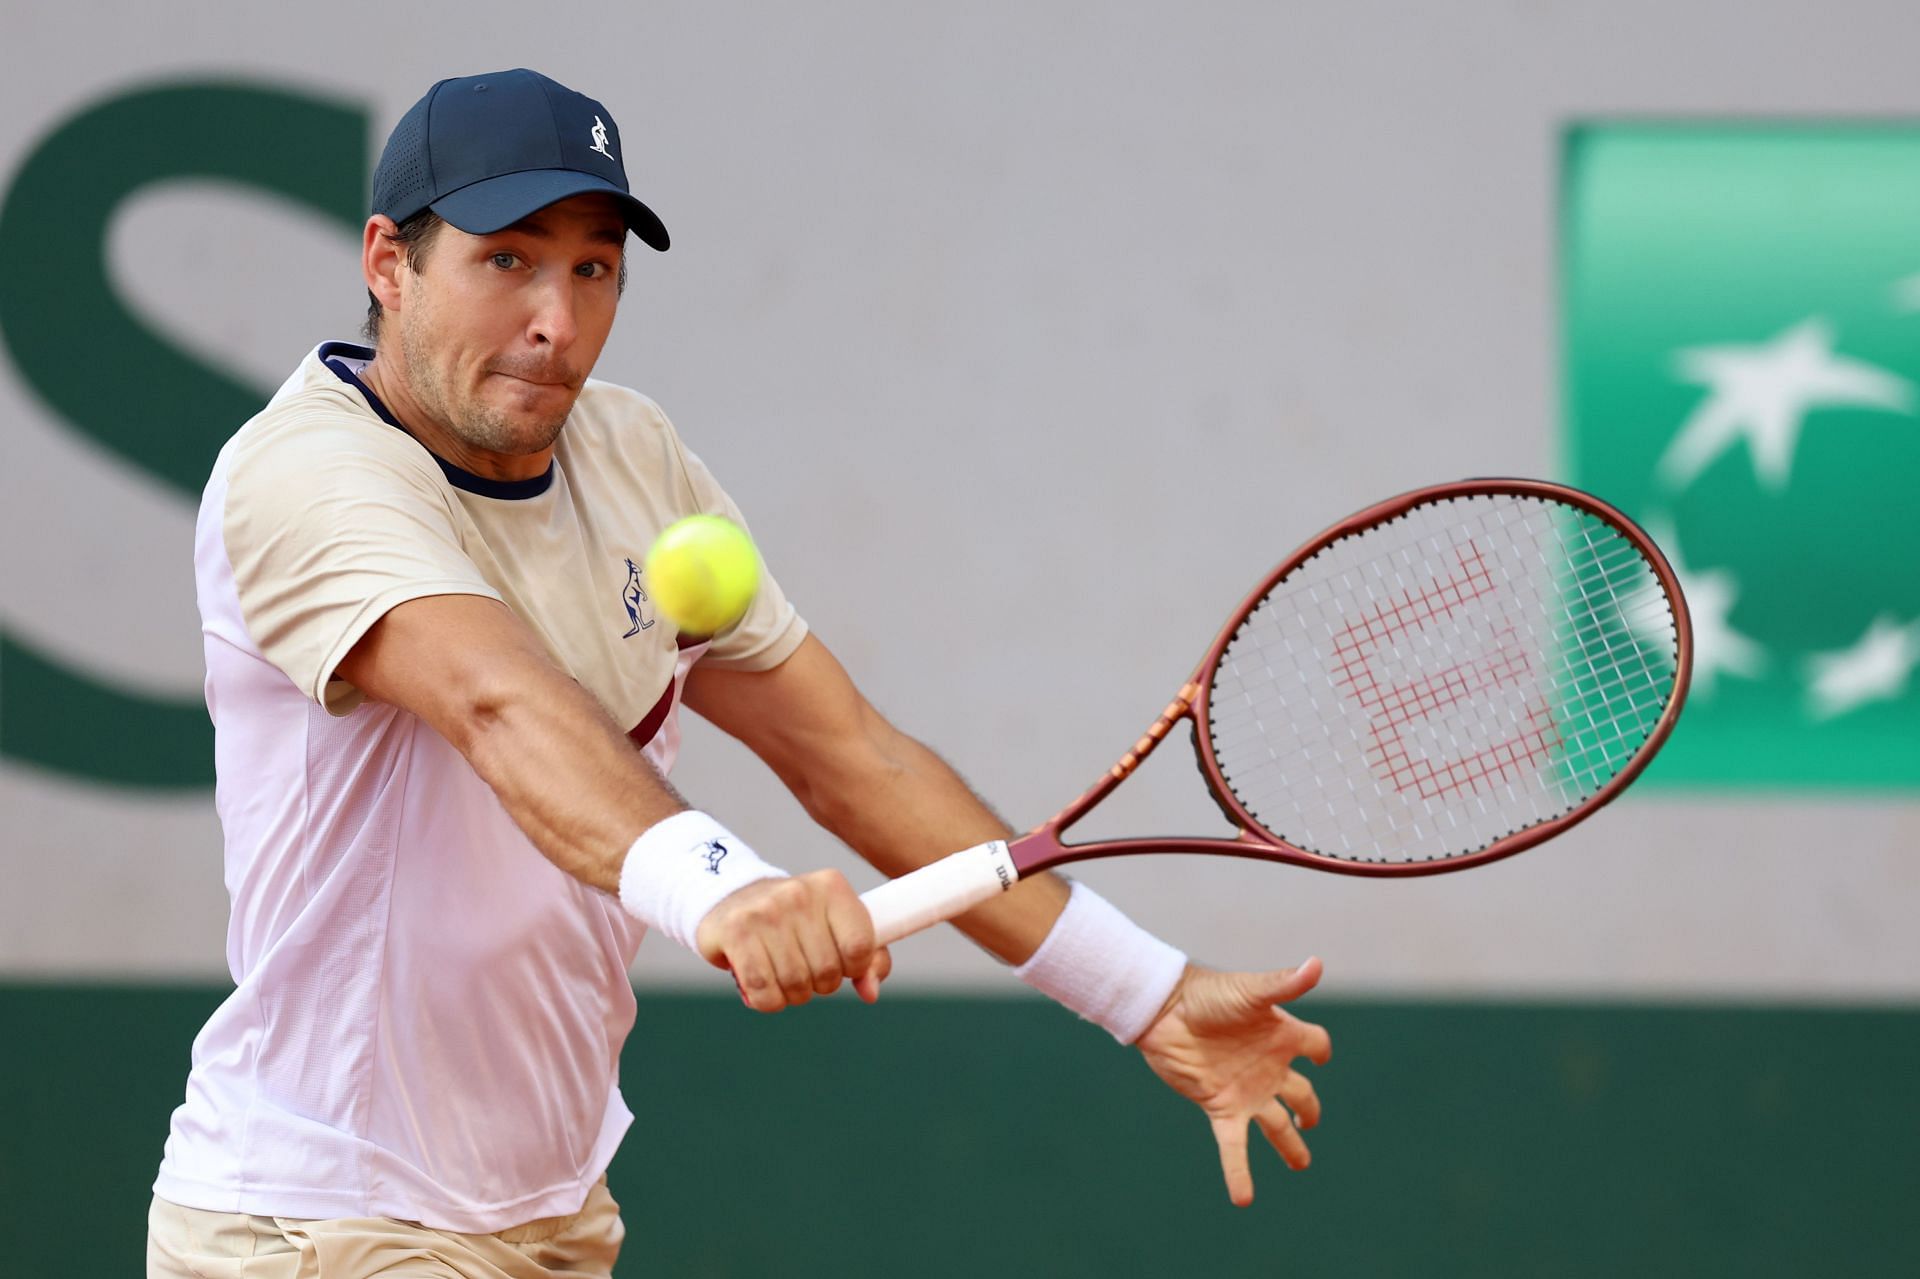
(1763, 393)
(1875, 669)
(1710, 597)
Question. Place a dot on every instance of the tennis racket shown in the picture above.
(1437, 682)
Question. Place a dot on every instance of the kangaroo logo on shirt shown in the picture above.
(633, 597)
(715, 852)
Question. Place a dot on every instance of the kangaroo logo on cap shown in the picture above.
(600, 138)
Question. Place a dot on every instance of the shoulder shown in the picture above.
(319, 432)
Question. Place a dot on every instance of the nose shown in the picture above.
(553, 323)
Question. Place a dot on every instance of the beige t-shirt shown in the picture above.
(429, 1014)
(333, 516)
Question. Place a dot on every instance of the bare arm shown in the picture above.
(481, 678)
(577, 786)
(892, 800)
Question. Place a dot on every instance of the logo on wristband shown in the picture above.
(715, 852)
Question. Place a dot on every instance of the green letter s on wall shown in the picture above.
(105, 373)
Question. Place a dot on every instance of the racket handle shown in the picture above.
(939, 891)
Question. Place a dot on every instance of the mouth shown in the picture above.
(549, 383)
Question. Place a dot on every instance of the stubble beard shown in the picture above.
(475, 424)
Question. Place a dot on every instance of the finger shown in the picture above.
(791, 973)
(849, 923)
(819, 952)
(1231, 1136)
(726, 966)
(753, 973)
(1307, 1039)
(867, 984)
(1296, 1090)
(1284, 1137)
(1285, 984)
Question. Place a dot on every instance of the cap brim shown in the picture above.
(497, 203)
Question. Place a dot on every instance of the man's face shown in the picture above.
(499, 332)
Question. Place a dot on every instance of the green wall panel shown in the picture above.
(952, 1137)
(1742, 376)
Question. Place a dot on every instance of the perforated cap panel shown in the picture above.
(403, 180)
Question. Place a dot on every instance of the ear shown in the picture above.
(381, 258)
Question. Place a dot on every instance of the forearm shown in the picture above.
(907, 808)
(478, 676)
(571, 780)
(900, 807)
(888, 797)
(1066, 942)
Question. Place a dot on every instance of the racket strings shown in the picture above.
(1428, 686)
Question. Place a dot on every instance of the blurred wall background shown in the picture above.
(1028, 336)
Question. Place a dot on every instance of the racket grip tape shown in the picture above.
(939, 891)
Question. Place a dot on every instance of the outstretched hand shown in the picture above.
(1222, 1044)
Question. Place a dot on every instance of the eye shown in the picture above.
(504, 261)
(593, 270)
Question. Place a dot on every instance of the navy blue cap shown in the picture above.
(484, 151)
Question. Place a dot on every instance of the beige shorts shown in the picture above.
(191, 1243)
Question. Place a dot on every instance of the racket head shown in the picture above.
(1452, 675)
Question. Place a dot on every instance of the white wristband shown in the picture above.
(1104, 966)
(680, 868)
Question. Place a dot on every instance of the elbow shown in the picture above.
(476, 714)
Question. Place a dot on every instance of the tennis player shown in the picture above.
(445, 710)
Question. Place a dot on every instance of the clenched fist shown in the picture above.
(787, 940)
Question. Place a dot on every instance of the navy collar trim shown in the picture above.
(342, 358)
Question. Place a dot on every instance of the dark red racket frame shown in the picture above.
(1042, 848)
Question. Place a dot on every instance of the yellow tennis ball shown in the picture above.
(702, 571)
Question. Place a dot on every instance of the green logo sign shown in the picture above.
(104, 373)
(1742, 374)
